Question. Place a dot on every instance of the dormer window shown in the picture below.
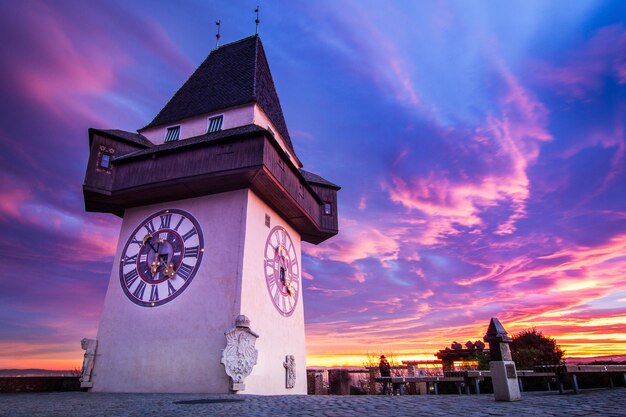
(328, 208)
(215, 124)
(172, 134)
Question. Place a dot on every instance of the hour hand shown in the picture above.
(168, 271)
(146, 239)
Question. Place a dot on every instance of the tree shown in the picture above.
(531, 348)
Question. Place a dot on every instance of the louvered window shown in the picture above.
(215, 124)
(172, 133)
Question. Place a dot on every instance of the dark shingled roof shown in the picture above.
(196, 140)
(316, 179)
(135, 138)
(232, 75)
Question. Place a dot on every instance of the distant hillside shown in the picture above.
(34, 372)
(614, 358)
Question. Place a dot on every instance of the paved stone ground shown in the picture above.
(80, 404)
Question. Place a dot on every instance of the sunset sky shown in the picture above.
(480, 146)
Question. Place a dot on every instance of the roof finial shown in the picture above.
(257, 21)
(218, 36)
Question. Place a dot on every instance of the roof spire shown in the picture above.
(218, 36)
(257, 21)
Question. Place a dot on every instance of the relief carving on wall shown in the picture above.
(240, 355)
(89, 346)
(290, 367)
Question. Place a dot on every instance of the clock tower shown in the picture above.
(205, 293)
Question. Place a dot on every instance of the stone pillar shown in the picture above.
(503, 373)
(339, 381)
(373, 373)
(315, 382)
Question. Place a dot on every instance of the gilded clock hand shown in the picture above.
(156, 263)
(146, 239)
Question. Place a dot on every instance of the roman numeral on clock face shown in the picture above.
(179, 223)
(166, 219)
(189, 234)
(130, 259)
(154, 293)
(170, 289)
(141, 288)
(184, 271)
(130, 277)
(149, 227)
(192, 252)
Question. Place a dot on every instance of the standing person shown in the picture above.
(385, 371)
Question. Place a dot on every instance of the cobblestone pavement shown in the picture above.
(80, 404)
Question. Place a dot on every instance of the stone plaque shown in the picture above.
(510, 371)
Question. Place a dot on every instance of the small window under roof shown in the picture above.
(172, 133)
(105, 161)
(215, 124)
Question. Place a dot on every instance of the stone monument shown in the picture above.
(240, 355)
(290, 367)
(503, 373)
(89, 346)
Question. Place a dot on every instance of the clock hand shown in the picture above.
(146, 239)
(154, 266)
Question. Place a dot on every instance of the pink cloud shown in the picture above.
(583, 72)
(376, 56)
(357, 241)
(449, 204)
(390, 305)
(332, 292)
(55, 67)
(12, 200)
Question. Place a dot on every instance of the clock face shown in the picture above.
(161, 257)
(282, 272)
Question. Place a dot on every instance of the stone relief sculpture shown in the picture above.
(89, 346)
(240, 355)
(290, 367)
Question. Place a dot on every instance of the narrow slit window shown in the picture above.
(215, 124)
(328, 209)
(172, 134)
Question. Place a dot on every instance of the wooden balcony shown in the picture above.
(245, 157)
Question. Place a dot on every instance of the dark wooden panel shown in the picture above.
(328, 195)
(175, 173)
(291, 180)
(188, 163)
(103, 179)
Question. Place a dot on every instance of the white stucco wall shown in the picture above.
(176, 347)
(198, 125)
(233, 117)
(279, 336)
